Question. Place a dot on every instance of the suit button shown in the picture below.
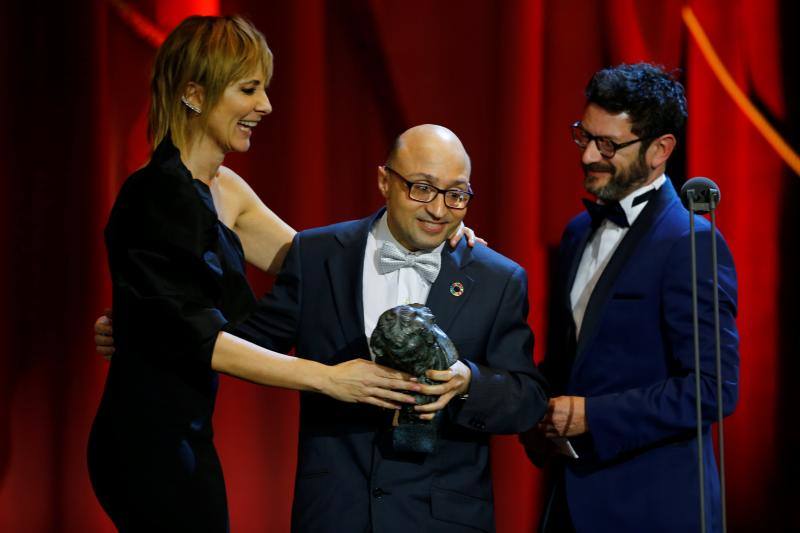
(378, 493)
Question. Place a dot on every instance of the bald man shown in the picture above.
(335, 283)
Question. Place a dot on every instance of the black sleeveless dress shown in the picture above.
(178, 280)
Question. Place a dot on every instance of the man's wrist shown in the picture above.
(466, 372)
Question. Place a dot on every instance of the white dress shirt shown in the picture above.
(384, 291)
(600, 249)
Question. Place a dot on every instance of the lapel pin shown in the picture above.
(456, 288)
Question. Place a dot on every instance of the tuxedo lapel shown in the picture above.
(345, 275)
(642, 226)
(562, 312)
(572, 262)
(452, 288)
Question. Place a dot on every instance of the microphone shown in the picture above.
(701, 190)
(700, 196)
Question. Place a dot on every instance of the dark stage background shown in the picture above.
(506, 76)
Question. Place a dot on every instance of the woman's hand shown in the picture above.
(362, 381)
(103, 335)
(462, 231)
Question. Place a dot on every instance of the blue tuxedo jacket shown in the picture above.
(348, 476)
(634, 363)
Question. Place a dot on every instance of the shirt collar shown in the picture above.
(633, 211)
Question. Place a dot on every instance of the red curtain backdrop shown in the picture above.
(350, 75)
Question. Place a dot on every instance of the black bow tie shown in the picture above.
(612, 210)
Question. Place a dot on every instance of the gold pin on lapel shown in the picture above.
(456, 288)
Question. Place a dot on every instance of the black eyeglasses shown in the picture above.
(605, 146)
(426, 193)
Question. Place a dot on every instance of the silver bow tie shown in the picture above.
(391, 258)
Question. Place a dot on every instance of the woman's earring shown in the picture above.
(190, 105)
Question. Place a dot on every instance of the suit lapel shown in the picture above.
(452, 288)
(602, 291)
(345, 275)
(573, 262)
(568, 269)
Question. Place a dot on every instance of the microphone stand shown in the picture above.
(718, 355)
(700, 202)
(699, 413)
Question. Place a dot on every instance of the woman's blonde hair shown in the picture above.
(212, 52)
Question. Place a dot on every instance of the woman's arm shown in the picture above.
(357, 380)
(265, 237)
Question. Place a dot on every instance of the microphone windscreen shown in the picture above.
(700, 189)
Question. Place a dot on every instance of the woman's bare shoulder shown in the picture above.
(230, 179)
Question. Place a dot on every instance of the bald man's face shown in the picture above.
(417, 225)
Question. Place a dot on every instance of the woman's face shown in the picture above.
(241, 107)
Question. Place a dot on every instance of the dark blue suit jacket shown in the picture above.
(634, 362)
(348, 476)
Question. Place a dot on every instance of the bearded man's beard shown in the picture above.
(622, 182)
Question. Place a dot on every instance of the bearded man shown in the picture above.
(620, 355)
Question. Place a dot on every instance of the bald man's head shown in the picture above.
(429, 143)
(427, 157)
